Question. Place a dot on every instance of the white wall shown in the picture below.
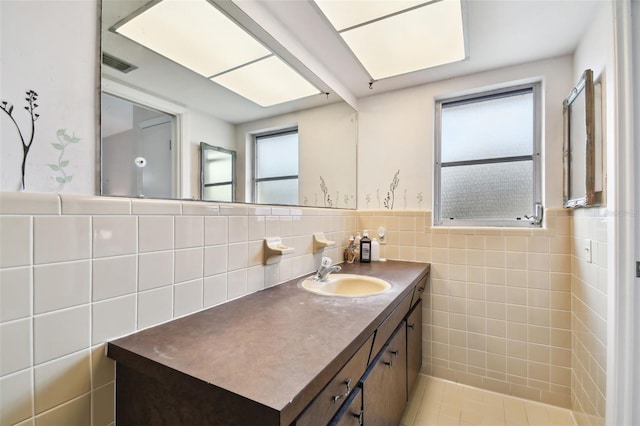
(64, 78)
(396, 132)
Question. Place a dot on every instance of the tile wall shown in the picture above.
(77, 271)
(589, 317)
(500, 316)
(510, 310)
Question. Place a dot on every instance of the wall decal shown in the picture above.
(390, 198)
(64, 140)
(325, 191)
(419, 199)
(31, 99)
(367, 198)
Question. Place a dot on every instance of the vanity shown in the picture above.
(281, 356)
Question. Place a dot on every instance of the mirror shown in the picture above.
(217, 173)
(201, 110)
(579, 113)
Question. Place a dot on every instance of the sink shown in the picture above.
(346, 285)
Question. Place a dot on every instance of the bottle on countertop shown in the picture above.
(365, 248)
(375, 250)
(350, 251)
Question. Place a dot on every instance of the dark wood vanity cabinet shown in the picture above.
(385, 384)
(282, 357)
(414, 344)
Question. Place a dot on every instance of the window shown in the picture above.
(276, 168)
(487, 159)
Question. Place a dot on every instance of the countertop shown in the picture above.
(277, 347)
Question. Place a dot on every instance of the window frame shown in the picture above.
(269, 134)
(525, 221)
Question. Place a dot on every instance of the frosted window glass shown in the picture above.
(491, 128)
(278, 192)
(218, 193)
(277, 156)
(487, 191)
(219, 170)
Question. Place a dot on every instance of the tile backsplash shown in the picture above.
(76, 271)
(516, 311)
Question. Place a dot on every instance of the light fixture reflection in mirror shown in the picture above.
(206, 111)
(217, 173)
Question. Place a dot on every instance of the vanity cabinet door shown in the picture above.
(385, 385)
(414, 345)
(331, 398)
(351, 412)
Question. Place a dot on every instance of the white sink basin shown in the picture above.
(346, 285)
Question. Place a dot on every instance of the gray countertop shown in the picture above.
(277, 347)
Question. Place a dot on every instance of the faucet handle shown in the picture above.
(326, 262)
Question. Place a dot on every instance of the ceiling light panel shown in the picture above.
(346, 14)
(421, 38)
(267, 82)
(195, 34)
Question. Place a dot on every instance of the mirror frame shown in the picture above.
(587, 195)
(206, 147)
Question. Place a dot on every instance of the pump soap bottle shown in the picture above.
(365, 248)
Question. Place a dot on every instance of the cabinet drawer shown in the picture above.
(383, 333)
(419, 289)
(351, 412)
(327, 403)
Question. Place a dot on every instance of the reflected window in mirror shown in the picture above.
(137, 149)
(276, 167)
(217, 173)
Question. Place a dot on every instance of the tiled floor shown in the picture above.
(437, 402)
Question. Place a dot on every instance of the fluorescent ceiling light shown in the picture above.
(423, 37)
(267, 82)
(345, 14)
(198, 36)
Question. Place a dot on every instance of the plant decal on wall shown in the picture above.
(419, 199)
(31, 99)
(390, 198)
(325, 191)
(63, 141)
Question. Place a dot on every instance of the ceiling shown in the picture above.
(499, 33)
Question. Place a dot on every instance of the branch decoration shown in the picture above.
(31, 99)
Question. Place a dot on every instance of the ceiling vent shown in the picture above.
(119, 64)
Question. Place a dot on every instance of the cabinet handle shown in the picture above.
(411, 326)
(421, 289)
(359, 416)
(389, 364)
(347, 383)
(395, 353)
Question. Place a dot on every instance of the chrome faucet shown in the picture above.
(325, 269)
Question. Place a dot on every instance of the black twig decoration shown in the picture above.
(390, 198)
(31, 99)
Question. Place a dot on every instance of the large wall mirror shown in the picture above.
(582, 144)
(141, 157)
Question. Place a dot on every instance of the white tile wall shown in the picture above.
(16, 397)
(114, 235)
(17, 336)
(155, 233)
(155, 270)
(61, 285)
(15, 247)
(61, 238)
(114, 276)
(15, 293)
(500, 302)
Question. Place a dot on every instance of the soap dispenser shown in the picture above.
(365, 248)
